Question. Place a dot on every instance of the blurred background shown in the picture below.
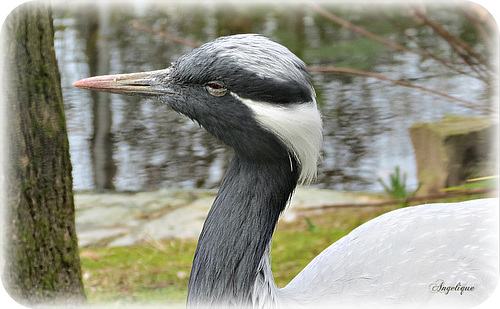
(125, 144)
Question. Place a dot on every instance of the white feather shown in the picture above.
(397, 259)
(298, 126)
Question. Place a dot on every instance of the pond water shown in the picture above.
(125, 143)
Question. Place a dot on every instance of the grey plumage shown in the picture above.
(256, 96)
(238, 230)
(252, 66)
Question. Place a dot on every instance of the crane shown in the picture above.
(256, 96)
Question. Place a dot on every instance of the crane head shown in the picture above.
(248, 91)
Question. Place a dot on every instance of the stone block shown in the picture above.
(456, 149)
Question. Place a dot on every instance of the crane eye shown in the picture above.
(215, 88)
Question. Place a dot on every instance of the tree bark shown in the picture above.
(41, 248)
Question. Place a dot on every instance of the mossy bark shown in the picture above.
(41, 249)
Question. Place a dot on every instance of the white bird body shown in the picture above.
(406, 257)
(256, 96)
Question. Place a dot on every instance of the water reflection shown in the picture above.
(123, 143)
(98, 50)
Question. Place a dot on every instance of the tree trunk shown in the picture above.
(41, 248)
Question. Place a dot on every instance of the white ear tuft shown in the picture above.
(298, 126)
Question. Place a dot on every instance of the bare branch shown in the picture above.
(475, 61)
(304, 210)
(450, 64)
(473, 16)
(453, 99)
(346, 24)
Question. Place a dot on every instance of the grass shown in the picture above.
(396, 187)
(138, 274)
(158, 272)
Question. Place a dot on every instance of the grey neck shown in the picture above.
(238, 231)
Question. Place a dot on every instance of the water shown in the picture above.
(124, 143)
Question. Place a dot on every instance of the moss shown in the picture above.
(39, 260)
(138, 272)
(453, 150)
(28, 185)
(454, 125)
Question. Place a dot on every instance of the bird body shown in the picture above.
(402, 257)
(256, 96)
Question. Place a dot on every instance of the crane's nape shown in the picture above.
(256, 96)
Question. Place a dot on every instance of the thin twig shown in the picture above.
(343, 70)
(149, 239)
(452, 65)
(472, 15)
(445, 34)
(456, 100)
(344, 23)
(397, 201)
(448, 63)
(475, 61)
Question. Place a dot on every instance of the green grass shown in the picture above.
(158, 273)
(396, 187)
(138, 274)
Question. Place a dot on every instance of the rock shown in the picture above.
(306, 197)
(91, 236)
(185, 222)
(123, 219)
(453, 150)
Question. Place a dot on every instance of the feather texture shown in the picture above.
(402, 257)
(299, 127)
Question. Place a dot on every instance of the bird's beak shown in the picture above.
(143, 83)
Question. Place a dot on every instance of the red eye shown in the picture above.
(215, 88)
